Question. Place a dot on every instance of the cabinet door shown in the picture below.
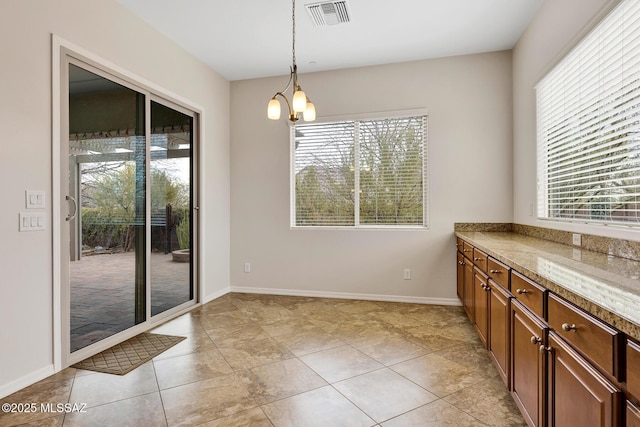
(467, 297)
(633, 369)
(460, 276)
(633, 415)
(578, 394)
(481, 304)
(499, 342)
(528, 364)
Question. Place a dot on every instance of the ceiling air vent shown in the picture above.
(329, 13)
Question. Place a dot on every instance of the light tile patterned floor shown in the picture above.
(275, 361)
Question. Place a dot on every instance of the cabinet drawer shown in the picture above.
(498, 272)
(459, 244)
(467, 249)
(528, 293)
(633, 415)
(593, 339)
(480, 259)
(633, 369)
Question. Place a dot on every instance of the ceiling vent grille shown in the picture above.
(329, 13)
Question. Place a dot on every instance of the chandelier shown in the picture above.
(300, 103)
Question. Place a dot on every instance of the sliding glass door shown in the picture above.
(171, 195)
(128, 208)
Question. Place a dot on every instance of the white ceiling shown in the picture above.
(243, 39)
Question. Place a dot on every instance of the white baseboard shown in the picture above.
(218, 294)
(25, 381)
(344, 295)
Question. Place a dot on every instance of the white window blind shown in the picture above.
(359, 173)
(588, 126)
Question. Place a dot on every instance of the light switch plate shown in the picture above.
(34, 199)
(32, 221)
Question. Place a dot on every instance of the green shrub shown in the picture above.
(183, 232)
(103, 228)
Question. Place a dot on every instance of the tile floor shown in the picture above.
(276, 361)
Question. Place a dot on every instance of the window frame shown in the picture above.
(543, 178)
(356, 118)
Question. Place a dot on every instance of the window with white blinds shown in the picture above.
(359, 173)
(588, 126)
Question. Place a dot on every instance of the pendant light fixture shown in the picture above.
(300, 103)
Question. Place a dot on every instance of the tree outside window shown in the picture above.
(360, 173)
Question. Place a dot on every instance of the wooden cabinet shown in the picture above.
(529, 293)
(633, 415)
(467, 250)
(499, 330)
(633, 370)
(578, 394)
(528, 364)
(467, 293)
(563, 366)
(480, 259)
(592, 338)
(481, 304)
(633, 383)
(498, 272)
(460, 276)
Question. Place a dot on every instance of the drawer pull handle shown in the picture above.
(466, 250)
(535, 340)
(544, 349)
(495, 271)
(477, 259)
(567, 327)
(521, 291)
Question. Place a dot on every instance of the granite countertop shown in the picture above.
(604, 285)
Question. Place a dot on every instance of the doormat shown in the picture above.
(128, 355)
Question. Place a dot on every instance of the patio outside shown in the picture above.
(103, 293)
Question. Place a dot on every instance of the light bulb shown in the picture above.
(299, 101)
(309, 114)
(273, 110)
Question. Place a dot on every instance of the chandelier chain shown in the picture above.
(293, 20)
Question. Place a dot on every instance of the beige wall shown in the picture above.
(558, 26)
(107, 30)
(476, 172)
(469, 103)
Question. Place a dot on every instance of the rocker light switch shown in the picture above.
(34, 199)
(32, 221)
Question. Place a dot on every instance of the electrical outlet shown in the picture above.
(247, 267)
(577, 239)
(407, 274)
(577, 254)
